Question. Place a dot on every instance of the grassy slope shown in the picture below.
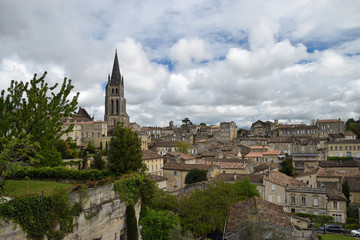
(19, 187)
(336, 237)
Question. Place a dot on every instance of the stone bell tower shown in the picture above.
(115, 102)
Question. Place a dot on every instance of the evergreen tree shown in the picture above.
(124, 154)
(287, 167)
(346, 191)
(131, 223)
(98, 162)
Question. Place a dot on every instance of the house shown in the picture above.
(330, 126)
(275, 184)
(336, 205)
(305, 200)
(176, 173)
(252, 141)
(340, 166)
(273, 156)
(256, 179)
(231, 166)
(299, 222)
(228, 131)
(255, 157)
(284, 144)
(160, 181)
(299, 130)
(343, 148)
(153, 161)
(180, 157)
(162, 147)
(308, 177)
(305, 154)
(260, 128)
(256, 218)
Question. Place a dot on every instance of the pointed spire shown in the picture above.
(109, 77)
(116, 76)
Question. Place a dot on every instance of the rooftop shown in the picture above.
(148, 154)
(283, 179)
(186, 167)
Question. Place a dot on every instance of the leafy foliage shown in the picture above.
(286, 167)
(131, 223)
(195, 175)
(134, 187)
(317, 219)
(124, 154)
(157, 225)
(339, 158)
(245, 189)
(58, 173)
(98, 162)
(39, 215)
(346, 191)
(182, 146)
(352, 125)
(34, 109)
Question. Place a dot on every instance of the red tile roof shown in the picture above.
(148, 154)
(283, 179)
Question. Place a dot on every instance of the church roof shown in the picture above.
(115, 75)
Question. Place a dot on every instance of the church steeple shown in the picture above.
(115, 75)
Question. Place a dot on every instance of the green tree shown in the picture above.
(35, 108)
(186, 121)
(182, 146)
(125, 154)
(287, 167)
(98, 162)
(203, 124)
(195, 175)
(352, 125)
(245, 189)
(131, 223)
(157, 225)
(90, 148)
(346, 191)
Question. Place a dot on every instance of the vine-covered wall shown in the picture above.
(103, 216)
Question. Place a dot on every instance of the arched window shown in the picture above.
(117, 91)
(117, 105)
(112, 90)
(112, 106)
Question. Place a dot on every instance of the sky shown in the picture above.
(208, 60)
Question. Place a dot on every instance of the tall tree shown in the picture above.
(195, 175)
(287, 167)
(245, 189)
(34, 109)
(346, 191)
(124, 154)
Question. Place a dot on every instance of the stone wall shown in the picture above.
(103, 217)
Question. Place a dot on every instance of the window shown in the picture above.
(273, 187)
(152, 167)
(303, 201)
(270, 198)
(279, 199)
(175, 173)
(307, 182)
(292, 199)
(334, 205)
(176, 183)
(316, 202)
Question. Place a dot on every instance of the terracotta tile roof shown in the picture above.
(158, 178)
(263, 210)
(254, 154)
(182, 155)
(165, 144)
(225, 164)
(272, 152)
(283, 179)
(307, 173)
(329, 164)
(229, 177)
(209, 154)
(289, 139)
(327, 173)
(148, 154)
(335, 194)
(186, 167)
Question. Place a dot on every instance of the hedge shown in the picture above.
(58, 173)
(339, 158)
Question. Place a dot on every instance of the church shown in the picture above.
(98, 133)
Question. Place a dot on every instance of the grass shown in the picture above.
(14, 188)
(336, 237)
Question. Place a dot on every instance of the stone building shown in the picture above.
(154, 162)
(228, 131)
(336, 205)
(260, 128)
(330, 126)
(115, 102)
(343, 148)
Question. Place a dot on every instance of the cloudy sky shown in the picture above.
(208, 60)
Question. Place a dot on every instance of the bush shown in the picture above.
(339, 158)
(58, 173)
(352, 221)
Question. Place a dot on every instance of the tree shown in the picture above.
(186, 121)
(346, 191)
(287, 167)
(16, 151)
(203, 124)
(195, 175)
(182, 146)
(245, 189)
(34, 109)
(125, 154)
(352, 125)
(131, 223)
(157, 225)
(98, 162)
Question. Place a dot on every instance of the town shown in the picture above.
(300, 171)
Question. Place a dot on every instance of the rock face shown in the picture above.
(103, 218)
